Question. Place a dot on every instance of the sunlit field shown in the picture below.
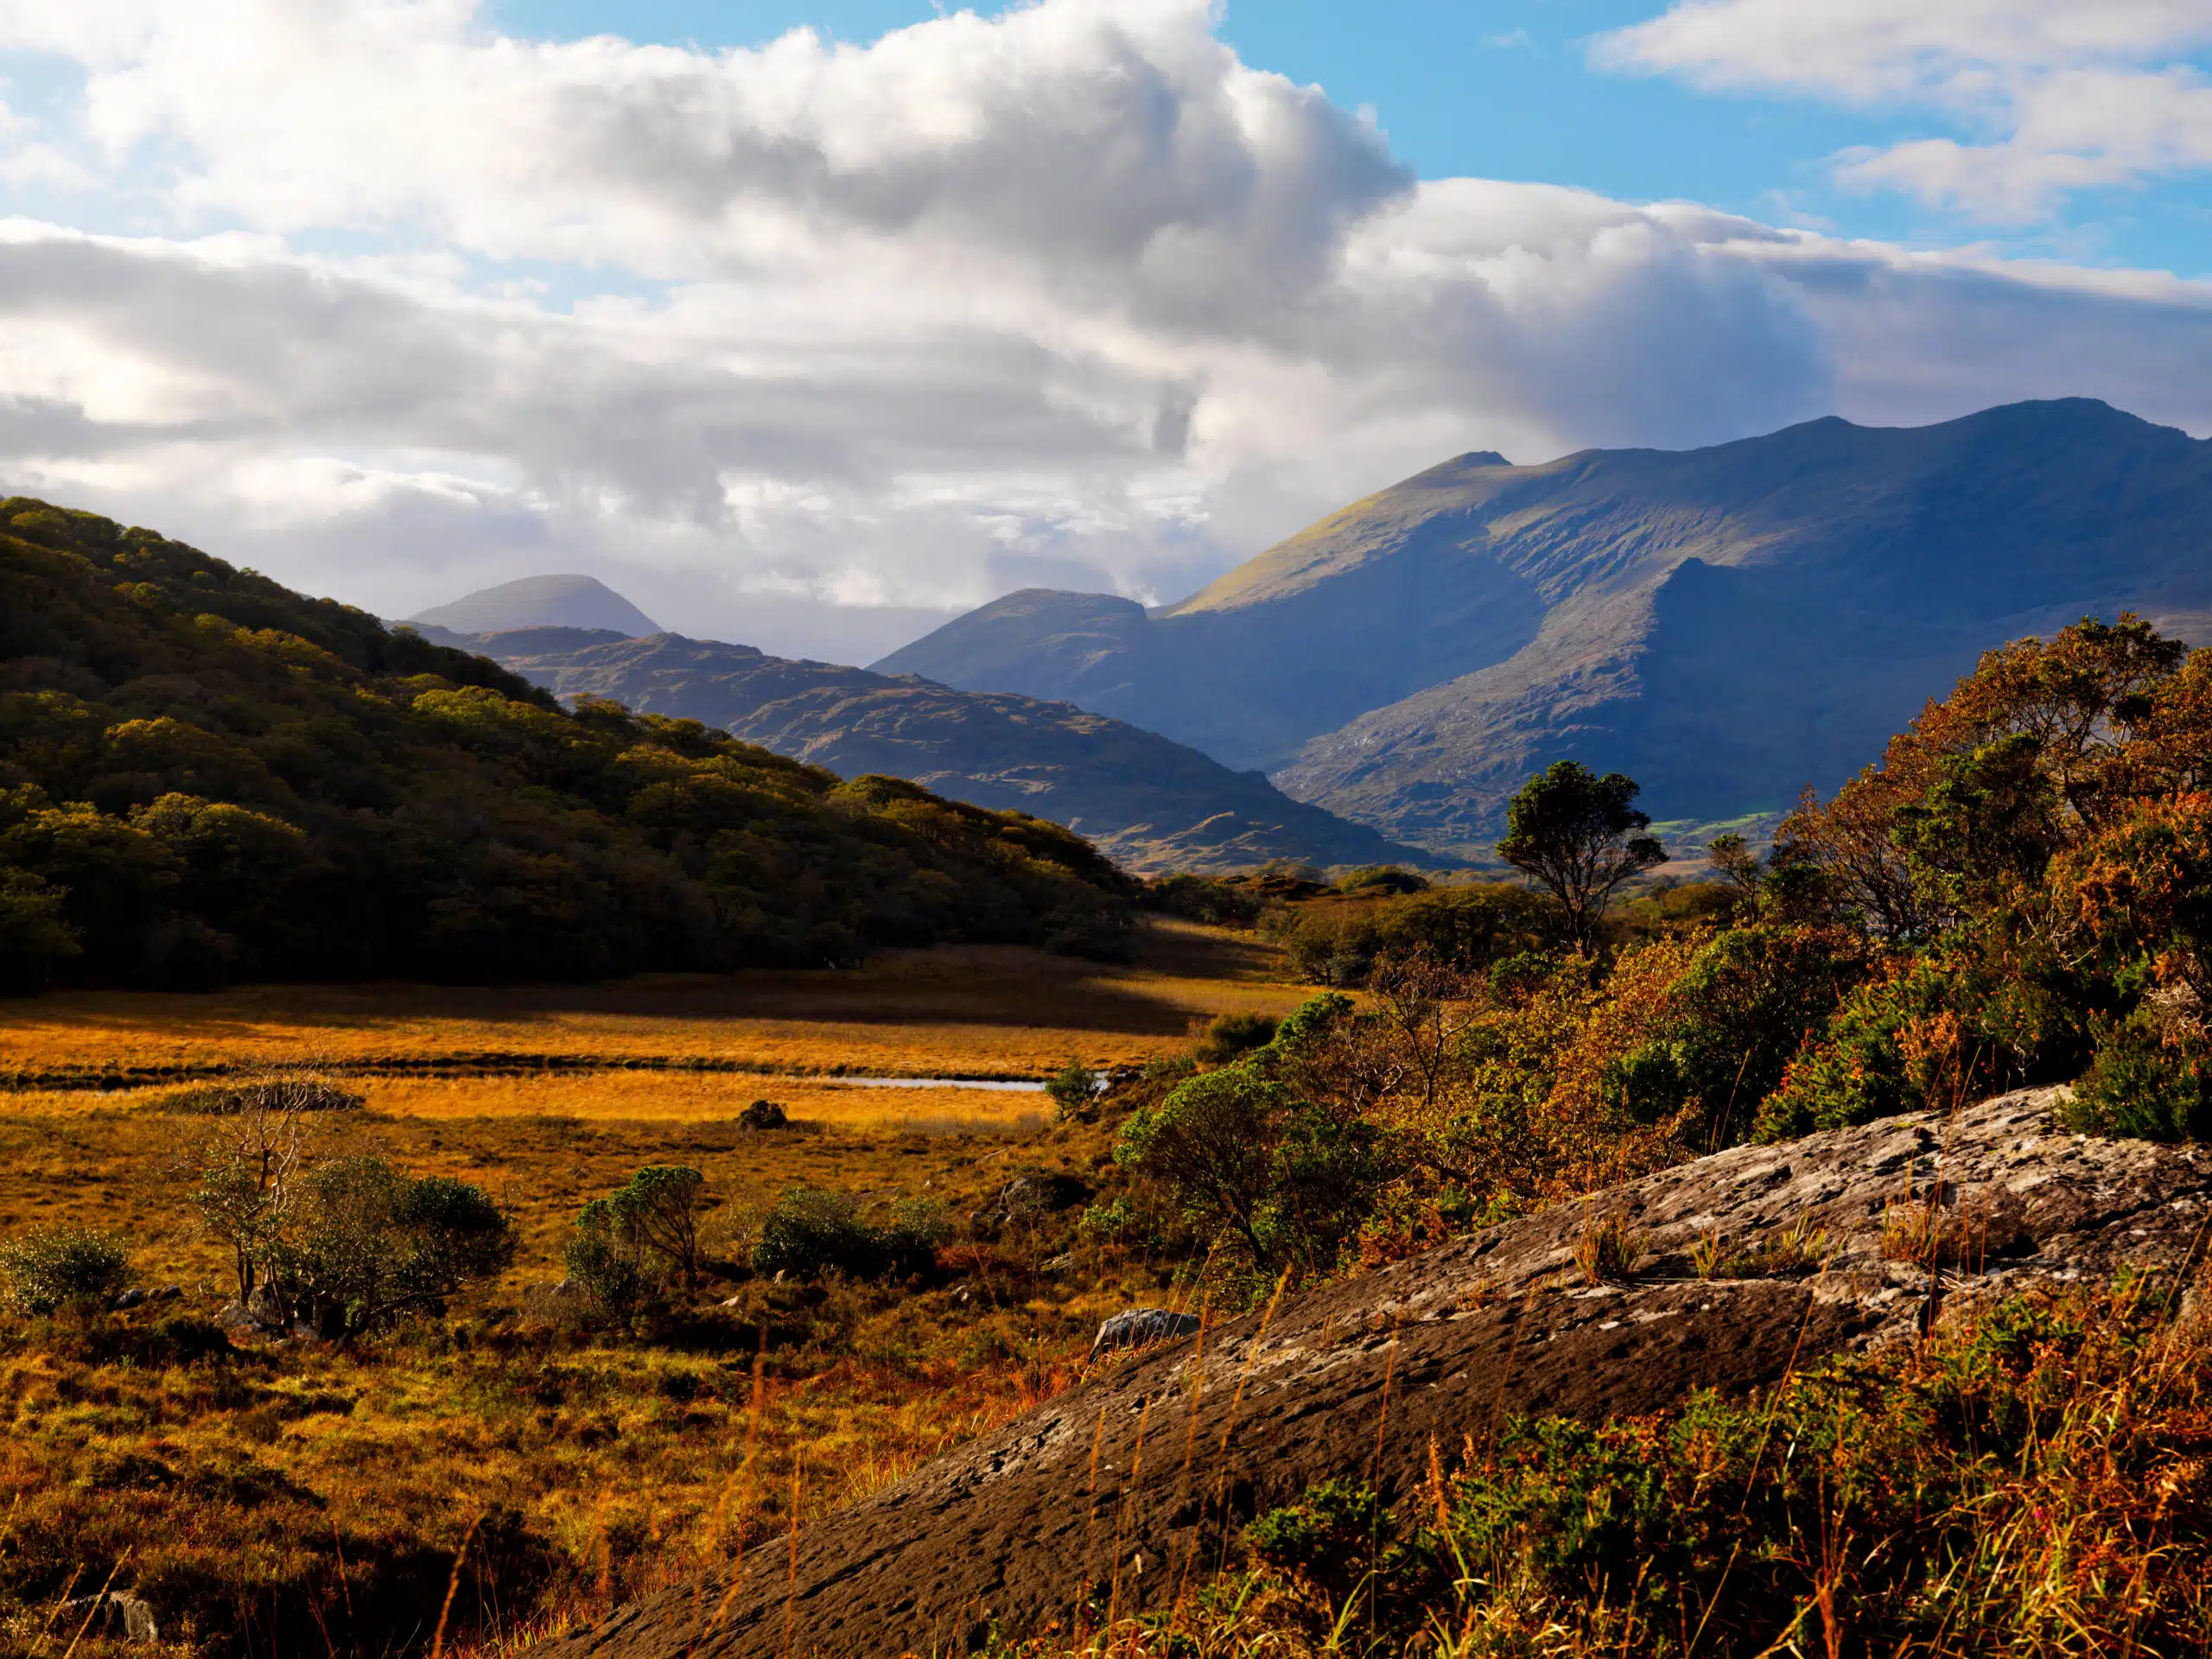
(307, 1497)
(976, 1010)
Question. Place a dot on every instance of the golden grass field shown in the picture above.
(304, 1496)
(979, 1011)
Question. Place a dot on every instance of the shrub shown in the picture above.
(2140, 1087)
(605, 1263)
(1231, 1036)
(1202, 899)
(813, 1230)
(374, 1244)
(1383, 878)
(1074, 1090)
(1250, 1161)
(63, 1267)
(1465, 929)
(1328, 1539)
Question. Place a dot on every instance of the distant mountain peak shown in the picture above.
(556, 601)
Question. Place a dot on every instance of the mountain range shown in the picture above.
(1727, 624)
(1148, 803)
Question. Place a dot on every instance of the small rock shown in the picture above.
(113, 1615)
(764, 1115)
(1139, 1327)
(133, 1298)
(1060, 1263)
(1026, 1197)
(169, 1293)
(233, 1316)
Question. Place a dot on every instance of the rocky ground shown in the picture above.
(1130, 1484)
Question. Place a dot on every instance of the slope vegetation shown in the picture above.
(204, 775)
(1728, 625)
(1148, 803)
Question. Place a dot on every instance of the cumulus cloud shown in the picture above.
(2072, 95)
(806, 345)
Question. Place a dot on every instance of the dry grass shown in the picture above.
(310, 1500)
(968, 1011)
(642, 1097)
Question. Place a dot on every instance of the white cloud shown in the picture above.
(2072, 94)
(812, 342)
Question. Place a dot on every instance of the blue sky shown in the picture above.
(1504, 89)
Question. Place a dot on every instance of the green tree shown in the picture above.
(1073, 1089)
(1580, 835)
(373, 1243)
(34, 936)
(606, 1263)
(661, 1207)
(1287, 1173)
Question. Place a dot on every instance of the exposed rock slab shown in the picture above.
(1133, 1480)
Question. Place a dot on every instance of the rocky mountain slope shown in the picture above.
(1147, 802)
(1195, 1437)
(1727, 624)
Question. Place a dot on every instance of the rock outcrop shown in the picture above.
(1133, 1479)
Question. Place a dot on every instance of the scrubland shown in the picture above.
(281, 1496)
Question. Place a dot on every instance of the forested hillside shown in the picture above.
(1150, 804)
(206, 775)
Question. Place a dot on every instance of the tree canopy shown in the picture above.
(1581, 836)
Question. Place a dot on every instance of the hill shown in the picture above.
(204, 775)
(568, 601)
(1727, 624)
(1147, 802)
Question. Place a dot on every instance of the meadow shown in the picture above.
(289, 1497)
(955, 1011)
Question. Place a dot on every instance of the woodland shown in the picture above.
(204, 777)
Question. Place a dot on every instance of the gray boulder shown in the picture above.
(1139, 1327)
(111, 1614)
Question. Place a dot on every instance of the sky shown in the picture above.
(809, 325)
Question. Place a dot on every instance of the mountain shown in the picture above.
(541, 602)
(1148, 803)
(204, 776)
(1726, 624)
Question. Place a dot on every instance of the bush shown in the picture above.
(813, 1230)
(656, 1216)
(1202, 898)
(1074, 1090)
(63, 1267)
(606, 1264)
(1231, 1036)
(1463, 928)
(2141, 1088)
(374, 1244)
(1253, 1164)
